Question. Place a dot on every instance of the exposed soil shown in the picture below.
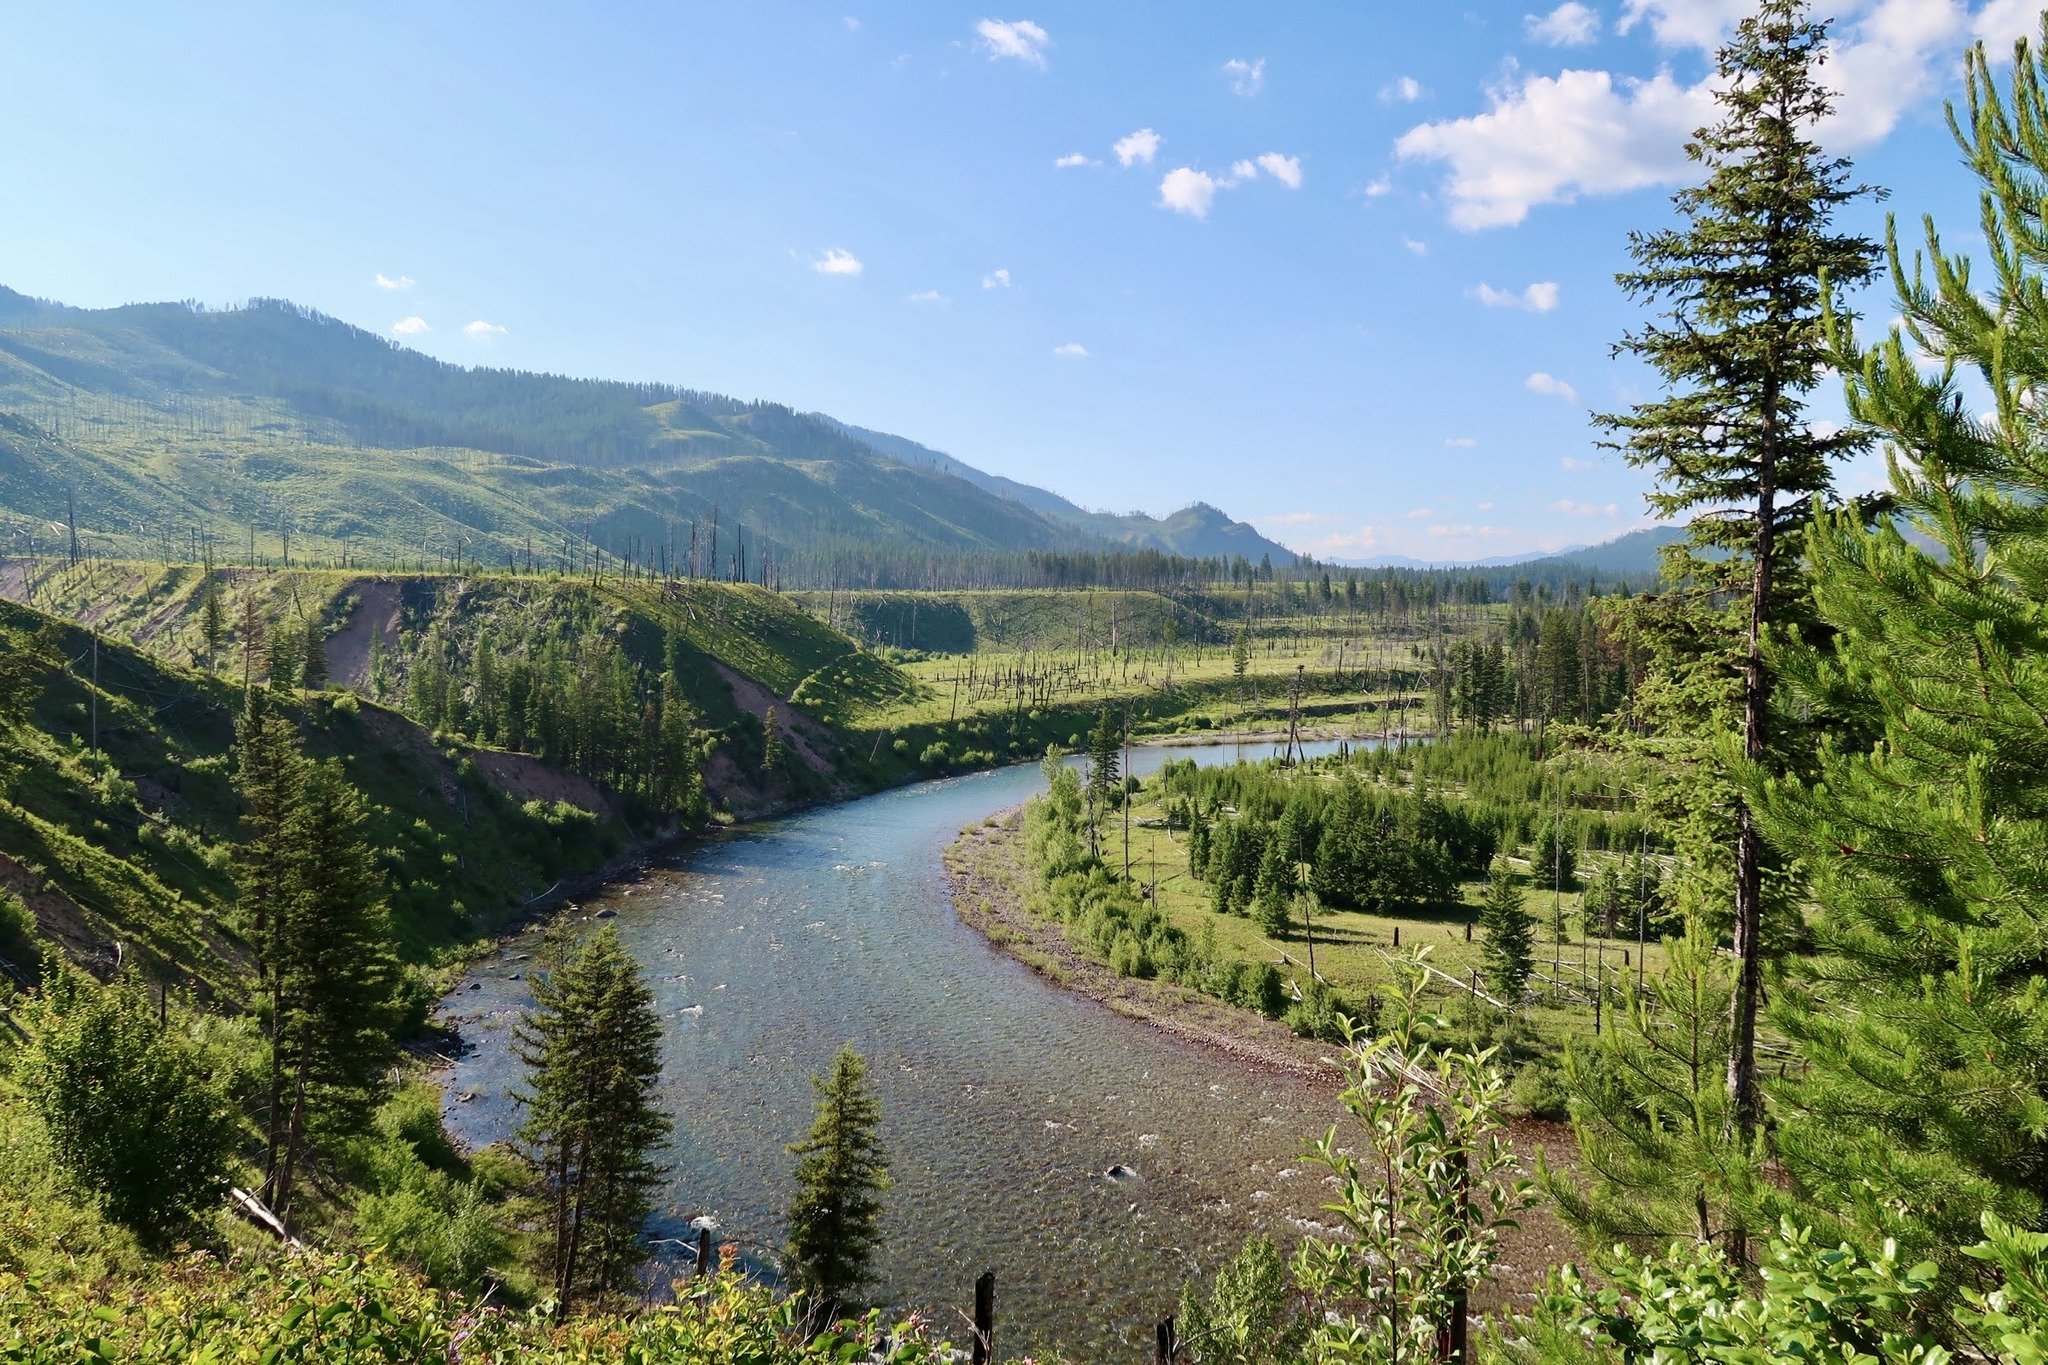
(375, 617)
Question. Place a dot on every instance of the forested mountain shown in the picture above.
(152, 427)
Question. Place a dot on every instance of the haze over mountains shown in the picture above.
(159, 421)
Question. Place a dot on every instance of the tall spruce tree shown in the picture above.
(337, 974)
(841, 1174)
(594, 1128)
(1922, 1018)
(1744, 282)
(1508, 949)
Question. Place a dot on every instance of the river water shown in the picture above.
(1006, 1101)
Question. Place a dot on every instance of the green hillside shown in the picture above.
(118, 811)
(280, 435)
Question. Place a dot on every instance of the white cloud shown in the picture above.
(1285, 169)
(1569, 25)
(1586, 509)
(1246, 76)
(852, 24)
(1415, 248)
(1550, 384)
(1071, 350)
(999, 278)
(388, 282)
(1142, 145)
(1073, 159)
(1186, 190)
(1553, 139)
(482, 331)
(1460, 442)
(1373, 189)
(1539, 297)
(1574, 465)
(837, 261)
(1482, 507)
(928, 296)
(1292, 518)
(410, 327)
(1419, 513)
(1019, 40)
(1401, 90)
(1550, 139)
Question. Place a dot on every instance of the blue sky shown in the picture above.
(1343, 269)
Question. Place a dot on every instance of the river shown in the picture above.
(1006, 1101)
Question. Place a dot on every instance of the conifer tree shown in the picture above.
(1744, 281)
(1650, 1112)
(336, 974)
(594, 1127)
(771, 742)
(1922, 1019)
(211, 622)
(1105, 773)
(835, 1218)
(1509, 947)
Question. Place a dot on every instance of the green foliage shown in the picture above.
(1650, 1111)
(593, 1125)
(1923, 1016)
(1426, 1184)
(1827, 1305)
(324, 1309)
(842, 1172)
(1509, 935)
(17, 932)
(1251, 1315)
(134, 1119)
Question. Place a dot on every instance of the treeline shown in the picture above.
(1548, 663)
(580, 702)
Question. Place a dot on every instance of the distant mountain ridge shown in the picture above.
(272, 419)
(1634, 553)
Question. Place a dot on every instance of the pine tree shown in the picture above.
(1922, 1019)
(771, 742)
(593, 1128)
(843, 1170)
(1651, 1114)
(211, 622)
(1745, 280)
(336, 972)
(1105, 773)
(1509, 947)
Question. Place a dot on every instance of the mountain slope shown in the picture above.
(158, 426)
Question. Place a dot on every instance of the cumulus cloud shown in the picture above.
(392, 282)
(852, 24)
(999, 278)
(1586, 509)
(1072, 159)
(1137, 147)
(837, 261)
(1401, 90)
(1553, 139)
(410, 327)
(1285, 169)
(1245, 76)
(1539, 297)
(482, 331)
(1415, 248)
(1460, 442)
(1576, 466)
(1187, 190)
(1569, 25)
(1070, 350)
(1419, 513)
(1017, 40)
(1292, 518)
(1373, 189)
(1550, 139)
(928, 296)
(1550, 384)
